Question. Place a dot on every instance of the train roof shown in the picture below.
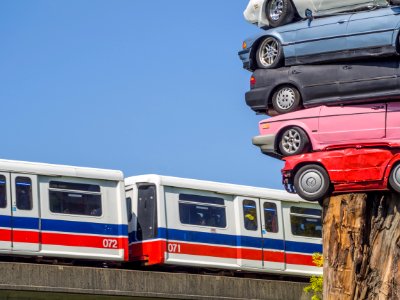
(25, 167)
(217, 187)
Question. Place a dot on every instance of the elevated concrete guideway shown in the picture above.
(20, 278)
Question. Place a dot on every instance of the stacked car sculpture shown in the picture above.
(328, 74)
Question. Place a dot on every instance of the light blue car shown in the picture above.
(339, 37)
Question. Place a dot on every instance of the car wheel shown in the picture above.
(269, 54)
(394, 2)
(286, 99)
(293, 141)
(312, 183)
(394, 178)
(279, 12)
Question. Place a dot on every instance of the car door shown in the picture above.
(348, 124)
(326, 5)
(319, 39)
(393, 121)
(315, 87)
(368, 79)
(373, 29)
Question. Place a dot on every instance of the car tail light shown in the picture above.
(265, 126)
(252, 81)
(244, 45)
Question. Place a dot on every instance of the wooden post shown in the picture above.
(361, 240)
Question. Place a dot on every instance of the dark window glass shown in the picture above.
(250, 215)
(146, 212)
(201, 199)
(306, 225)
(129, 208)
(23, 191)
(195, 214)
(271, 217)
(305, 211)
(74, 186)
(3, 192)
(75, 203)
(75, 198)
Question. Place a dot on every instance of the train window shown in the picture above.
(129, 208)
(250, 215)
(74, 186)
(203, 215)
(306, 222)
(201, 199)
(3, 192)
(271, 217)
(23, 191)
(75, 199)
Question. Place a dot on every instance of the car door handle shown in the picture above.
(342, 21)
(347, 67)
(378, 107)
(296, 72)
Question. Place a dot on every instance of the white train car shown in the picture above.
(187, 222)
(62, 211)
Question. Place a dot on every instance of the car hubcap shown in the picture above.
(396, 175)
(285, 98)
(311, 182)
(276, 9)
(291, 141)
(269, 51)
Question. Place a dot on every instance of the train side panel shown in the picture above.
(95, 230)
(212, 225)
(200, 229)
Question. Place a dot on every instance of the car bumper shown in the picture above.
(257, 99)
(267, 145)
(246, 59)
(287, 181)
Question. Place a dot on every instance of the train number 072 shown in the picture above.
(110, 243)
(174, 248)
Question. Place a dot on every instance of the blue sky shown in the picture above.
(140, 86)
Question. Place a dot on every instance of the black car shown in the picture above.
(288, 89)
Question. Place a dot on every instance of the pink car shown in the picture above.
(317, 128)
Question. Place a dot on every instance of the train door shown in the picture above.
(5, 212)
(146, 212)
(129, 211)
(25, 213)
(250, 251)
(272, 234)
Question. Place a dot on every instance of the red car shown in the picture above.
(314, 176)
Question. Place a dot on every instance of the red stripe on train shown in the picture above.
(5, 235)
(153, 253)
(84, 241)
(24, 236)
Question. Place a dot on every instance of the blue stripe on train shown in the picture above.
(84, 227)
(64, 226)
(233, 240)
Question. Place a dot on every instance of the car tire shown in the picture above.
(312, 183)
(269, 53)
(394, 2)
(394, 178)
(293, 141)
(279, 12)
(286, 99)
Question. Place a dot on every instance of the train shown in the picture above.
(66, 212)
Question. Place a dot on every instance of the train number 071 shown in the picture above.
(110, 243)
(174, 248)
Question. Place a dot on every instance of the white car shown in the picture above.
(273, 13)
